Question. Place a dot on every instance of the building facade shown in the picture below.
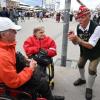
(9, 3)
(2, 3)
(56, 5)
(12, 3)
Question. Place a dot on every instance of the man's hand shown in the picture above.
(74, 38)
(33, 65)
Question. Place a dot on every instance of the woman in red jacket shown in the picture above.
(39, 41)
(41, 48)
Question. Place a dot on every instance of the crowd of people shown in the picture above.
(15, 15)
(87, 37)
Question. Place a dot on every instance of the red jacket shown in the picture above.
(32, 45)
(8, 74)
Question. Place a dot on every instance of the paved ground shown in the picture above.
(64, 76)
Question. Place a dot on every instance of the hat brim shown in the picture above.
(16, 27)
(82, 14)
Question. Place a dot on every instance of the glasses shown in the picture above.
(12, 31)
(9, 30)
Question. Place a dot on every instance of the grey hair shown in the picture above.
(38, 29)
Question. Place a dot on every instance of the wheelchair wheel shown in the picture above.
(50, 74)
(51, 84)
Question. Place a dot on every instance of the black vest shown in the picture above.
(89, 53)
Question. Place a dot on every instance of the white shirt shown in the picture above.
(95, 36)
(80, 27)
(87, 27)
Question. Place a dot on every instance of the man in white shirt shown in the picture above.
(88, 38)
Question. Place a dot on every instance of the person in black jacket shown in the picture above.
(4, 12)
(88, 38)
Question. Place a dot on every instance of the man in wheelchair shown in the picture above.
(18, 81)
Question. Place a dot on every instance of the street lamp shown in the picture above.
(42, 3)
(65, 31)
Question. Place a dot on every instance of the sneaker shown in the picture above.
(88, 94)
(59, 97)
(79, 82)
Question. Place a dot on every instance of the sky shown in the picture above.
(91, 4)
(74, 5)
(32, 2)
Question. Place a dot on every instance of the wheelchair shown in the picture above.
(50, 75)
(13, 94)
(46, 66)
(48, 71)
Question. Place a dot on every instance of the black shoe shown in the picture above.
(88, 94)
(59, 97)
(79, 82)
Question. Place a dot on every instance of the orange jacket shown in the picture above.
(8, 74)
